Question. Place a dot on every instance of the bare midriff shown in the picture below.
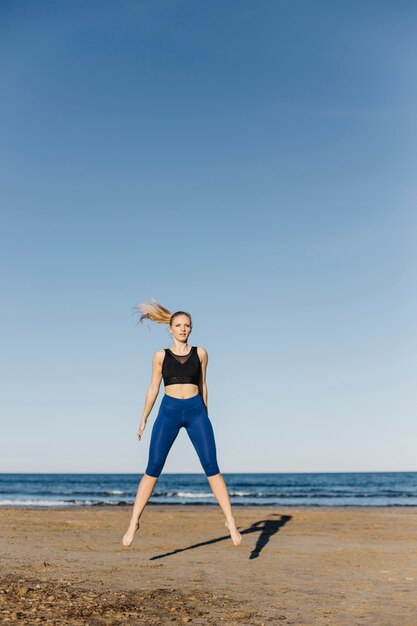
(182, 391)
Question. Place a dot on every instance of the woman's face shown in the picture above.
(181, 327)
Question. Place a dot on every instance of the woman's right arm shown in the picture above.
(153, 389)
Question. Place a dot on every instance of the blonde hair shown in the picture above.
(154, 311)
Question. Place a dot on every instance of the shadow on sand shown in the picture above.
(265, 527)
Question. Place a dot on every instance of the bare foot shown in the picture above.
(130, 533)
(234, 533)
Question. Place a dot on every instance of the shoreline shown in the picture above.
(82, 507)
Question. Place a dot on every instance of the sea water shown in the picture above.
(362, 489)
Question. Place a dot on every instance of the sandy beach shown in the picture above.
(294, 566)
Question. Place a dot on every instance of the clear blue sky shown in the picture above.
(252, 163)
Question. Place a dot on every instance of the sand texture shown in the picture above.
(335, 566)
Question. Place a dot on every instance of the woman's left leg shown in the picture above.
(219, 488)
(200, 431)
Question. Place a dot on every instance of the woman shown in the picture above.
(183, 369)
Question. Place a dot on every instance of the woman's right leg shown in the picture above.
(164, 433)
(144, 492)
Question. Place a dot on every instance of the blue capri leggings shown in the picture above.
(173, 414)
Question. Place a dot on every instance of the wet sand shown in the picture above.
(334, 566)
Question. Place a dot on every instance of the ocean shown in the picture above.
(363, 489)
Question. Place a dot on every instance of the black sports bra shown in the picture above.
(181, 368)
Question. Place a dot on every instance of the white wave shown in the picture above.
(115, 492)
(189, 494)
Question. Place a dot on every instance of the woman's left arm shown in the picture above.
(202, 386)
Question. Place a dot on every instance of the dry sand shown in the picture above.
(333, 566)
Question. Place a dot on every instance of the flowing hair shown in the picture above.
(154, 311)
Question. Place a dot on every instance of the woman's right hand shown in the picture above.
(140, 431)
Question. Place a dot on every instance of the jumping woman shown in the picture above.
(183, 369)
